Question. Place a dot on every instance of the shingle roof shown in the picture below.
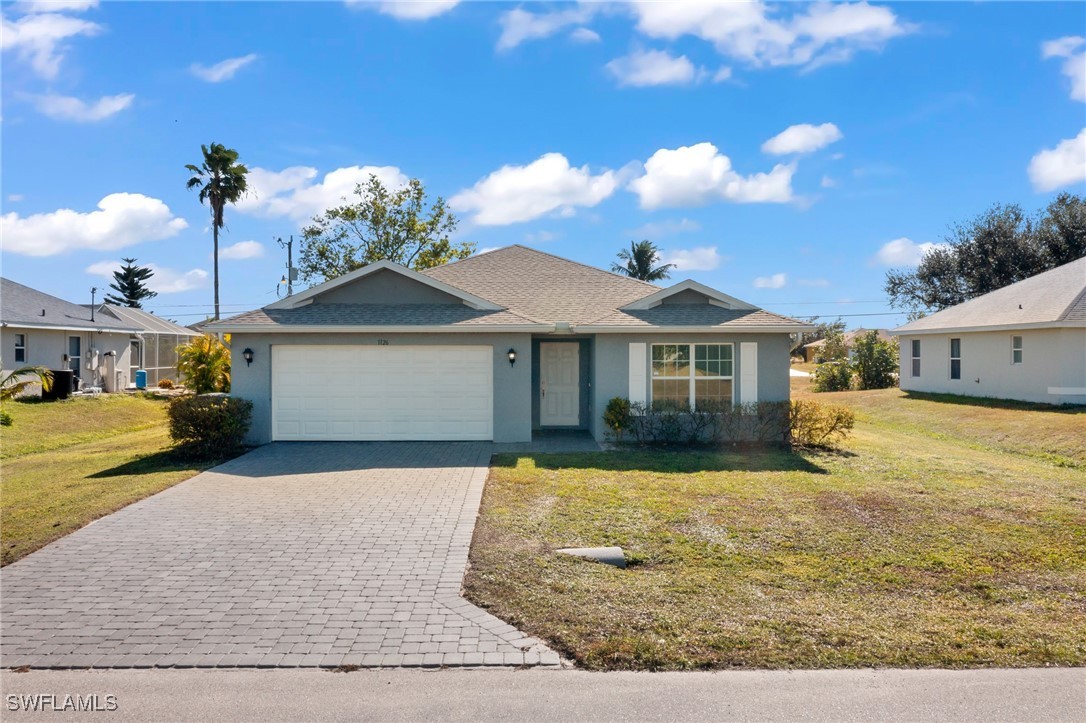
(1054, 298)
(694, 315)
(542, 286)
(449, 315)
(147, 321)
(23, 306)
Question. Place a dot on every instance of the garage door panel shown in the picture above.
(382, 392)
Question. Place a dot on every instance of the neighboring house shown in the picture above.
(812, 352)
(37, 329)
(1025, 341)
(493, 347)
(155, 348)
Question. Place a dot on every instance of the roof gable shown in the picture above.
(21, 305)
(683, 292)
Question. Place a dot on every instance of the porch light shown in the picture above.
(512, 354)
(247, 355)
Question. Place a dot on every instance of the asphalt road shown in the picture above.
(559, 695)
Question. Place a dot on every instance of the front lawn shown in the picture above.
(925, 542)
(67, 463)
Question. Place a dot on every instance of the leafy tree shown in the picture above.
(821, 331)
(205, 364)
(641, 261)
(381, 224)
(834, 373)
(999, 247)
(221, 180)
(130, 284)
(17, 381)
(874, 361)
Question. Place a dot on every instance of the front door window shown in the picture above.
(75, 353)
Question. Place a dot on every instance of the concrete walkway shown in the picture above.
(301, 554)
(1051, 695)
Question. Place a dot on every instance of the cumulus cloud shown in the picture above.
(776, 281)
(63, 107)
(802, 138)
(54, 6)
(698, 174)
(164, 281)
(294, 192)
(513, 194)
(122, 219)
(584, 35)
(700, 258)
(827, 182)
(242, 250)
(1061, 166)
(753, 33)
(1073, 50)
(224, 70)
(407, 9)
(519, 25)
(39, 38)
(903, 252)
(643, 68)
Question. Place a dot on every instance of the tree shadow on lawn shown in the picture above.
(993, 403)
(678, 461)
(167, 460)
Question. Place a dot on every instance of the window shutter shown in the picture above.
(638, 378)
(748, 372)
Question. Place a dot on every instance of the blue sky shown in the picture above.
(785, 154)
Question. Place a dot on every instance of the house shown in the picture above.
(812, 352)
(1026, 341)
(493, 347)
(155, 348)
(37, 329)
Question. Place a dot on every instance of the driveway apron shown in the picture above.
(296, 554)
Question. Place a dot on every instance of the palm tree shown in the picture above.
(205, 365)
(16, 382)
(640, 262)
(221, 180)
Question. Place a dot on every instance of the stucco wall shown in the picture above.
(512, 384)
(611, 370)
(1052, 359)
(46, 347)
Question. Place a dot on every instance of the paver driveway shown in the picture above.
(299, 554)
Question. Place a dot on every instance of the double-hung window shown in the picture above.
(20, 348)
(685, 376)
(1016, 350)
(916, 357)
(955, 358)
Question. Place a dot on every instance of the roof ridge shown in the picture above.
(584, 265)
(1081, 297)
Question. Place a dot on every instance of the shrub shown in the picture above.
(165, 383)
(209, 427)
(874, 361)
(205, 364)
(832, 376)
(618, 416)
(713, 424)
(819, 425)
(5, 419)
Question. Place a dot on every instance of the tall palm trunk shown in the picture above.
(215, 235)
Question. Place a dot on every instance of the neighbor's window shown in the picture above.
(676, 381)
(1016, 350)
(955, 358)
(916, 357)
(20, 348)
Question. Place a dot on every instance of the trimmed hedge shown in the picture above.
(209, 426)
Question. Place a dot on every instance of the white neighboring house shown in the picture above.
(1026, 341)
(155, 348)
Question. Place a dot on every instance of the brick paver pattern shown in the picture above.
(296, 554)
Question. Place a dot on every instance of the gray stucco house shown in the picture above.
(493, 347)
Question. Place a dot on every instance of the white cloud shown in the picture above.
(123, 219)
(827, 182)
(485, 250)
(242, 250)
(904, 252)
(660, 229)
(519, 25)
(164, 281)
(643, 68)
(700, 258)
(695, 175)
(521, 193)
(408, 9)
(722, 74)
(776, 281)
(1061, 166)
(1074, 64)
(584, 35)
(293, 193)
(38, 39)
(802, 138)
(223, 70)
(15, 197)
(750, 31)
(63, 107)
(54, 6)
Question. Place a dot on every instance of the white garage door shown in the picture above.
(382, 392)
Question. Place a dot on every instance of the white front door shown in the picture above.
(559, 384)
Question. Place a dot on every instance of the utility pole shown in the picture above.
(94, 290)
(292, 273)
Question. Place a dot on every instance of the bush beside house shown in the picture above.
(209, 426)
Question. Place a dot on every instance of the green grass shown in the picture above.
(67, 463)
(926, 541)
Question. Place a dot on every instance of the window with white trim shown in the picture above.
(955, 358)
(916, 357)
(20, 348)
(1016, 350)
(686, 375)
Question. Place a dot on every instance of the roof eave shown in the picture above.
(760, 329)
(905, 331)
(371, 329)
(61, 327)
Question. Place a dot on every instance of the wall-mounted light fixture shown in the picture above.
(512, 354)
(247, 355)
